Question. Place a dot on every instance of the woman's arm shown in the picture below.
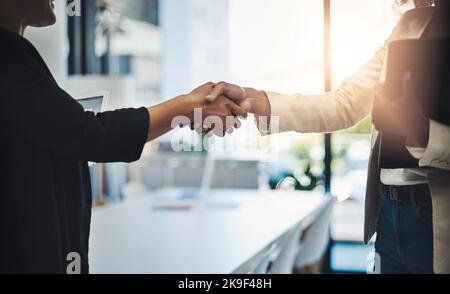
(328, 112)
(35, 109)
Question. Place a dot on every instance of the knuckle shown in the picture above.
(222, 85)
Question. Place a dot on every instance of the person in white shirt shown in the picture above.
(409, 209)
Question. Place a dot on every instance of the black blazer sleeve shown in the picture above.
(33, 106)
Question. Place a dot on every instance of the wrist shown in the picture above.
(253, 93)
(162, 115)
(183, 105)
(259, 101)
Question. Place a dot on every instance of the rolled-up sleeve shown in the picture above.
(437, 153)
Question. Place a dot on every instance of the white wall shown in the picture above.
(195, 36)
(52, 43)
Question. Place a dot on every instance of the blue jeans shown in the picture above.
(405, 234)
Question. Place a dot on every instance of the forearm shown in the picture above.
(259, 102)
(332, 111)
(260, 106)
(162, 115)
(324, 113)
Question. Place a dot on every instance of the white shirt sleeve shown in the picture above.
(437, 153)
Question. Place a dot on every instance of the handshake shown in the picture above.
(217, 109)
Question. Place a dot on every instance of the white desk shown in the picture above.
(131, 237)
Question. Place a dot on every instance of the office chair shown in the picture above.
(316, 239)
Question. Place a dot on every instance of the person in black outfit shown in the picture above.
(46, 141)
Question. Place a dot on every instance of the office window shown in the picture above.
(358, 30)
(279, 47)
(140, 10)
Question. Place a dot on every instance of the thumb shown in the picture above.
(216, 92)
(233, 92)
(246, 105)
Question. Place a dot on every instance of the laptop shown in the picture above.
(186, 197)
(93, 102)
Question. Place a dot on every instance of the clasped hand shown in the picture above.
(217, 116)
(218, 108)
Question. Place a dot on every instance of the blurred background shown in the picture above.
(147, 51)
